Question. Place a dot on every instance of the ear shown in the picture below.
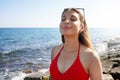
(81, 27)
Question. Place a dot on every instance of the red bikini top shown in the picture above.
(75, 72)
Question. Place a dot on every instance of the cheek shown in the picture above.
(60, 27)
(78, 27)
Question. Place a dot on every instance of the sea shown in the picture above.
(30, 48)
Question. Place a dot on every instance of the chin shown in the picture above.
(66, 32)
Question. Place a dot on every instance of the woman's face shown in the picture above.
(70, 23)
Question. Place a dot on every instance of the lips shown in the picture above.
(66, 27)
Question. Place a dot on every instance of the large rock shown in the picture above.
(111, 64)
(107, 77)
(39, 75)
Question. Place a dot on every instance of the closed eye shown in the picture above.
(63, 19)
(73, 18)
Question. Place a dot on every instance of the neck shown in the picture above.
(71, 43)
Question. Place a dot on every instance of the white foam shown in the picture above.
(100, 47)
(22, 75)
(44, 70)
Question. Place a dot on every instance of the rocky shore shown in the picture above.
(110, 62)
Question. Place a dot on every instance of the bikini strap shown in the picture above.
(78, 50)
(60, 50)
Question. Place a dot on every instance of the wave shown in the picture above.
(9, 40)
(13, 62)
(21, 57)
(27, 49)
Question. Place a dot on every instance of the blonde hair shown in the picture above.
(83, 37)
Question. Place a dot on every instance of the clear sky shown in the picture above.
(47, 13)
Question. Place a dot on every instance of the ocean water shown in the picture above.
(30, 48)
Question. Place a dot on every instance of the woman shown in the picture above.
(74, 59)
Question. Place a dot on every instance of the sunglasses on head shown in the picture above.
(82, 10)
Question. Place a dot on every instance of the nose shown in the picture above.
(67, 21)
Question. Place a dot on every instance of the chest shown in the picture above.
(66, 60)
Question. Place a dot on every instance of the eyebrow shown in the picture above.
(72, 16)
(63, 16)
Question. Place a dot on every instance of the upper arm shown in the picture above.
(54, 52)
(95, 68)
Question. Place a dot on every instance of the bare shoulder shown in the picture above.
(93, 59)
(91, 55)
(93, 63)
(55, 50)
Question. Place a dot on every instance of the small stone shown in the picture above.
(27, 71)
